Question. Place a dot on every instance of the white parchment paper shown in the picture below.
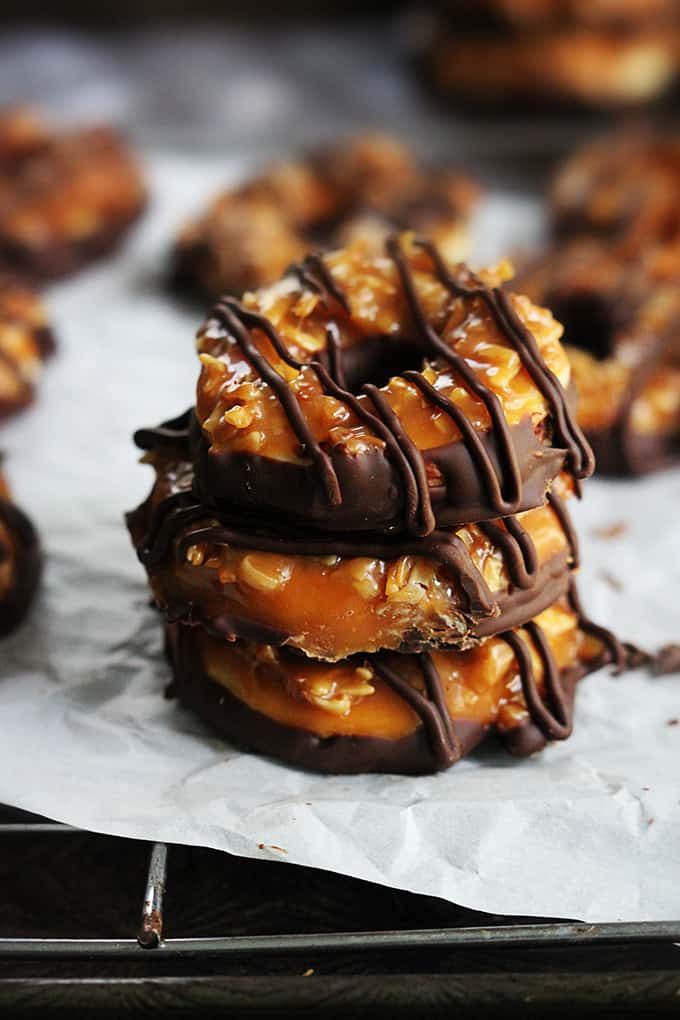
(590, 829)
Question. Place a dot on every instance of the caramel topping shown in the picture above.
(440, 314)
(380, 591)
(481, 684)
(378, 308)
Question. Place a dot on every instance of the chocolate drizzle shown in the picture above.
(313, 273)
(616, 651)
(173, 433)
(431, 708)
(559, 509)
(552, 717)
(519, 552)
(434, 345)
(567, 432)
(504, 490)
(239, 321)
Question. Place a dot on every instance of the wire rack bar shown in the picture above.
(150, 941)
(268, 945)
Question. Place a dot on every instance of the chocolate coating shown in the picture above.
(338, 490)
(339, 754)
(14, 604)
(373, 496)
(620, 452)
(64, 257)
(172, 511)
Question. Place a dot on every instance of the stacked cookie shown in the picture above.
(359, 536)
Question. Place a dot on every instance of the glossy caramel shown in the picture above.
(239, 411)
(334, 606)
(481, 684)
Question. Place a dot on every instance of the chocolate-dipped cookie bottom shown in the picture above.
(373, 491)
(437, 742)
(63, 257)
(26, 562)
(389, 421)
(621, 452)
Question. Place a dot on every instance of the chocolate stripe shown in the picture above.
(550, 725)
(434, 345)
(234, 318)
(443, 750)
(616, 650)
(504, 490)
(580, 456)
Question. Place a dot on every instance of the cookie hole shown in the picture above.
(589, 322)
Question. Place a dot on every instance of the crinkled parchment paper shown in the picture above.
(590, 829)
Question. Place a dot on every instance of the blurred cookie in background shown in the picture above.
(20, 561)
(26, 339)
(622, 334)
(622, 188)
(66, 197)
(364, 188)
(605, 54)
(528, 14)
(612, 277)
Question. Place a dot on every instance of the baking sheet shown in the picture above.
(590, 829)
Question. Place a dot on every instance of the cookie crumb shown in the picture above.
(666, 660)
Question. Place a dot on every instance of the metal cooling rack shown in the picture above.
(150, 940)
